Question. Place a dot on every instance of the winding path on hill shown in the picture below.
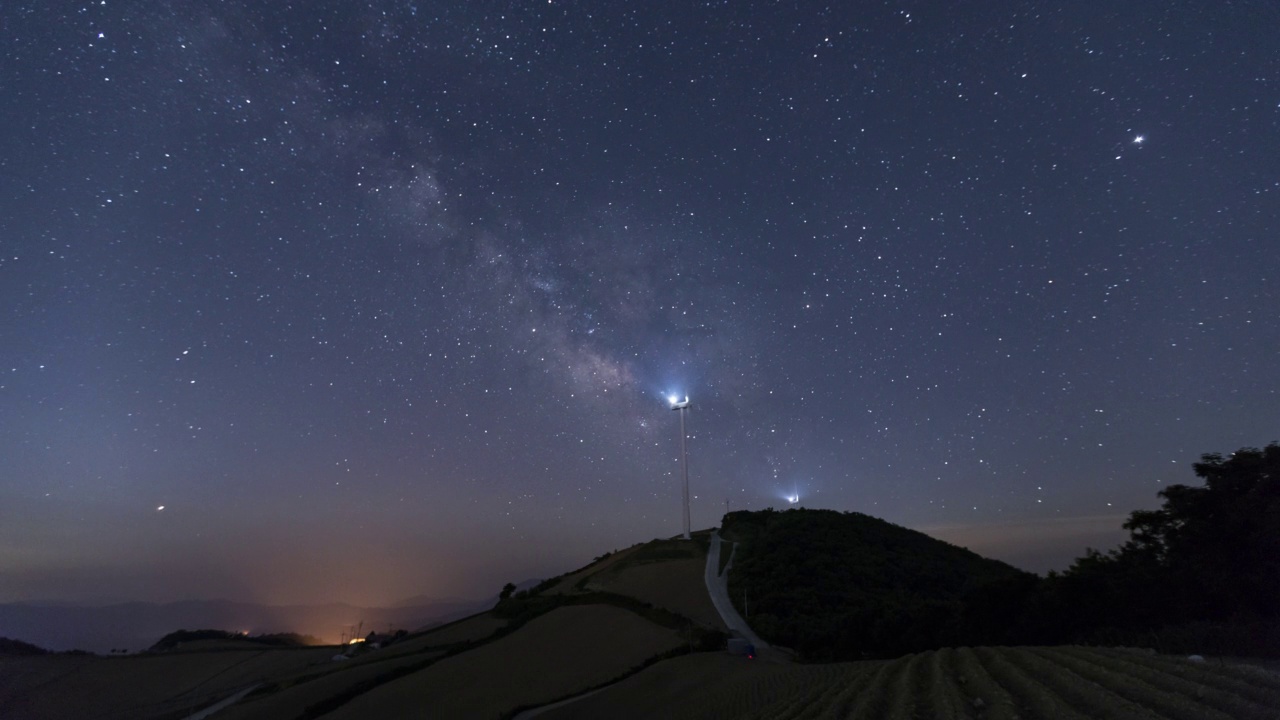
(222, 704)
(718, 588)
(535, 712)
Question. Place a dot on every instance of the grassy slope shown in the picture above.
(665, 573)
(661, 573)
(573, 581)
(302, 690)
(53, 686)
(294, 700)
(568, 649)
(471, 629)
(155, 686)
(676, 585)
(203, 672)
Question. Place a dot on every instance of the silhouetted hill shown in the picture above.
(17, 647)
(177, 639)
(838, 586)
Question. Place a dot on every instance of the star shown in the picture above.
(255, 318)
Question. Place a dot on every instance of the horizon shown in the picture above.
(369, 301)
(978, 539)
(69, 625)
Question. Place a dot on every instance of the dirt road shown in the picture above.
(718, 588)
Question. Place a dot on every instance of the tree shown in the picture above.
(1220, 543)
(506, 591)
(1209, 553)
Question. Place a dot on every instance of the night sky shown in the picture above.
(362, 301)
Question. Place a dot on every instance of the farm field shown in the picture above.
(295, 700)
(474, 628)
(671, 584)
(666, 574)
(682, 682)
(204, 672)
(638, 554)
(54, 686)
(976, 683)
(308, 689)
(569, 582)
(567, 650)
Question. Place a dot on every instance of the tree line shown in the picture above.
(1201, 573)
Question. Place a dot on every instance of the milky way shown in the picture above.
(384, 299)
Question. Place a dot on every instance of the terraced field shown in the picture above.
(664, 573)
(557, 654)
(139, 686)
(1072, 683)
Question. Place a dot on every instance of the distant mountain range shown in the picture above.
(137, 625)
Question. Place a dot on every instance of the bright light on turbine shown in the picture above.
(793, 499)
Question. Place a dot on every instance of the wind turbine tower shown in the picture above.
(681, 406)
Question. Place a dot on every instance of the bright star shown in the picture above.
(1138, 140)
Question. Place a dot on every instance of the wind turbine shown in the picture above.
(681, 406)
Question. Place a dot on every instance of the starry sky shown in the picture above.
(367, 300)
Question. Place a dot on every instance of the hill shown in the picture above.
(844, 586)
(622, 638)
(565, 636)
(19, 648)
(667, 574)
(188, 639)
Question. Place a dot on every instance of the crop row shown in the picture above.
(1002, 683)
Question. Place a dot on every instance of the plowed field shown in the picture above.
(976, 683)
